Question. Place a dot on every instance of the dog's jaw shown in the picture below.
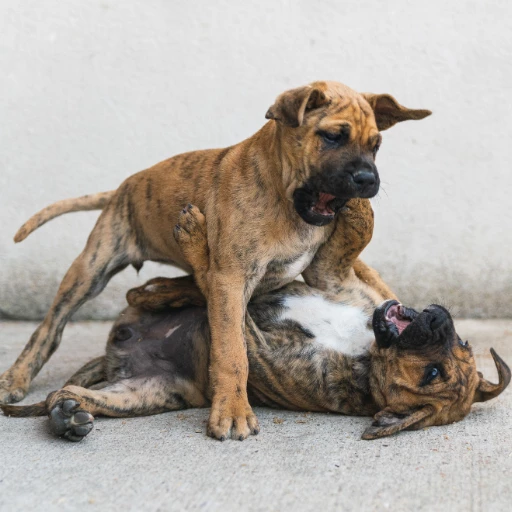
(316, 208)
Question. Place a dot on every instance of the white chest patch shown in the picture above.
(295, 269)
(341, 327)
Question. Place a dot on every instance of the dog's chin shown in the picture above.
(317, 208)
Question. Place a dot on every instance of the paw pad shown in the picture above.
(69, 421)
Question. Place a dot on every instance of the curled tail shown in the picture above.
(77, 204)
(22, 411)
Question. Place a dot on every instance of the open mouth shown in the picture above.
(398, 317)
(325, 205)
(316, 208)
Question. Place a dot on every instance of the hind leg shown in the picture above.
(165, 292)
(107, 252)
(71, 409)
(91, 373)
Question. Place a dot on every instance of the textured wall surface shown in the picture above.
(92, 92)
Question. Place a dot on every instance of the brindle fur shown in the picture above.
(158, 351)
(254, 233)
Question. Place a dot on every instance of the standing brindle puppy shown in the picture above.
(271, 203)
(308, 350)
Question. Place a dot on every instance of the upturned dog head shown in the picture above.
(422, 373)
(331, 138)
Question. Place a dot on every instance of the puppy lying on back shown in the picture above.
(309, 350)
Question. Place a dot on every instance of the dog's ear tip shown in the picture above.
(270, 114)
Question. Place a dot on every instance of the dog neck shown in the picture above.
(352, 392)
(278, 166)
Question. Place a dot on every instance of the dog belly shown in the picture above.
(337, 326)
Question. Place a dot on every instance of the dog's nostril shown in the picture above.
(437, 320)
(364, 178)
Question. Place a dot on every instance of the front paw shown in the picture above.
(190, 232)
(69, 421)
(232, 416)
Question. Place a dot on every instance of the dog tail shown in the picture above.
(77, 204)
(22, 411)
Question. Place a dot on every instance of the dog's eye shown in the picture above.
(464, 344)
(375, 149)
(331, 137)
(431, 372)
(335, 138)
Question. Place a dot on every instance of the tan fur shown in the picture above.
(254, 232)
(287, 368)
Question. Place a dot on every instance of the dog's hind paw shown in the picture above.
(69, 421)
(12, 390)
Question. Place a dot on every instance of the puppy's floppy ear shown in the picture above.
(388, 111)
(487, 390)
(291, 106)
(388, 422)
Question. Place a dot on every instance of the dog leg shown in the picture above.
(72, 409)
(165, 292)
(91, 373)
(106, 253)
(229, 367)
(372, 278)
(334, 260)
(338, 259)
(190, 234)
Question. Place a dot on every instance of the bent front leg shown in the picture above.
(336, 266)
(334, 260)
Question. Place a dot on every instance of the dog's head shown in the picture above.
(331, 136)
(422, 373)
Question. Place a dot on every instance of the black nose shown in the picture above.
(437, 318)
(364, 178)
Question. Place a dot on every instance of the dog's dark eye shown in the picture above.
(331, 137)
(375, 149)
(431, 372)
(464, 344)
(335, 138)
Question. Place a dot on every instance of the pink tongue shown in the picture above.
(321, 206)
(394, 315)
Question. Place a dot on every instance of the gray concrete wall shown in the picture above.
(92, 92)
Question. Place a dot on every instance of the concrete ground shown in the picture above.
(298, 462)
